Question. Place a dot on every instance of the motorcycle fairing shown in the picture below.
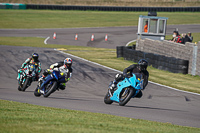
(127, 82)
(54, 76)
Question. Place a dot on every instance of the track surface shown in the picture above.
(87, 87)
(117, 36)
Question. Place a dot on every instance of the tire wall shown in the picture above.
(114, 8)
(98, 8)
(161, 62)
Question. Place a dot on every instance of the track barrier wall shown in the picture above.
(115, 8)
(189, 51)
(161, 62)
(98, 8)
(12, 6)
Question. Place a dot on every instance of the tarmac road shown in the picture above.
(87, 87)
(117, 36)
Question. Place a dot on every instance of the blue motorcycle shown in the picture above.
(50, 84)
(125, 90)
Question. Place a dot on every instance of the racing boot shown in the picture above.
(62, 86)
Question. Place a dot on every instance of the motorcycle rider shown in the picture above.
(32, 60)
(65, 69)
(141, 67)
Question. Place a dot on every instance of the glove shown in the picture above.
(45, 73)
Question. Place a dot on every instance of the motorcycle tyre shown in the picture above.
(36, 93)
(107, 99)
(51, 90)
(131, 92)
(24, 87)
(19, 88)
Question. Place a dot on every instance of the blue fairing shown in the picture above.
(47, 79)
(59, 77)
(55, 76)
(132, 82)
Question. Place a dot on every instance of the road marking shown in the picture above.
(130, 42)
(122, 72)
(45, 41)
(61, 49)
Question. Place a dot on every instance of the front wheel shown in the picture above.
(107, 99)
(25, 84)
(50, 89)
(37, 92)
(19, 88)
(125, 96)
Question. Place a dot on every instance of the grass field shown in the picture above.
(22, 118)
(158, 3)
(106, 57)
(68, 19)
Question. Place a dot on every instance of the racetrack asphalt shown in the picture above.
(88, 86)
(117, 36)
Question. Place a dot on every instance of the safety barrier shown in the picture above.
(114, 8)
(12, 6)
(98, 8)
(161, 62)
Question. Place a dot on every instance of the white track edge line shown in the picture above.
(45, 41)
(130, 42)
(121, 72)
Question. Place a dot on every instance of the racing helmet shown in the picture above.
(143, 64)
(118, 77)
(68, 62)
(35, 56)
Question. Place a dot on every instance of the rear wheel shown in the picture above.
(107, 99)
(125, 96)
(50, 89)
(24, 85)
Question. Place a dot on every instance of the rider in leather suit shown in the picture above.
(135, 68)
(65, 69)
(32, 60)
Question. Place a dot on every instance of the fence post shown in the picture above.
(194, 60)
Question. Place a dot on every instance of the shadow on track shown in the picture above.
(152, 108)
(74, 99)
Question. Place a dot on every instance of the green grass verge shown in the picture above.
(132, 43)
(69, 19)
(22, 118)
(108, 58)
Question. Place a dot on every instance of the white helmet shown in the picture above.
(68, 62)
